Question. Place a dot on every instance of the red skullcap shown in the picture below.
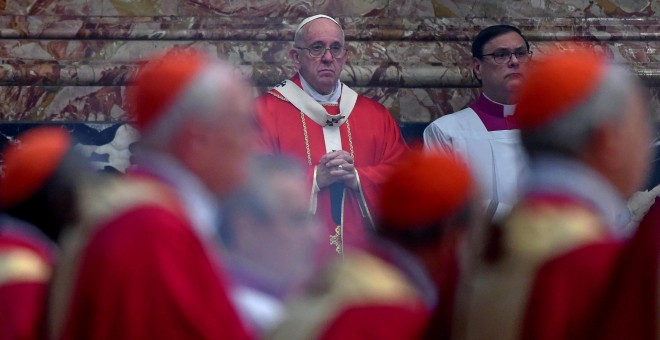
(556, 83)
(161, 81)
(29, 163)
(424, 188)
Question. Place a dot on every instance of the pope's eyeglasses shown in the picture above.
(317, 51)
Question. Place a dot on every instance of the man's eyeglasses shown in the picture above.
(503, 57)
(317, 51)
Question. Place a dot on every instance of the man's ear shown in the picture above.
(604, 142)
(476, 68)
(294, 54)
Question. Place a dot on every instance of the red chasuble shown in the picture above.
(359, 297)
(26, 261)
(630, 307)
(546, 267)
(370, 134)
(378, 322)
(566, 293)
(146, 274)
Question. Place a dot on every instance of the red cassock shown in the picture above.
(378, 322)
(446, 275)
(360, 297)
(546, 268)
(145, 273)
(26, 260)
(566, 292)
(370, 133)
(567, 287)
(630, 306)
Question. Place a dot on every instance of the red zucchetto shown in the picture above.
(424, 188)
(556, 83)
(161, 82)
(30, 162)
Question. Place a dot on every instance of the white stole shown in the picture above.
(316, 112)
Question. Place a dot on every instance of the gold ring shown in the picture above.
(340, 166)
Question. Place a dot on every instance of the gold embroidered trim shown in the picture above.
(304, 125)
(307, 149)
(337, 239)
(278, 96)
(350, 139)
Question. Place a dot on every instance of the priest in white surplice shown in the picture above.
(486, 133)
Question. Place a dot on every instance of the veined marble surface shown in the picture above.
(70, 60)
(371, 8)
(74, 68)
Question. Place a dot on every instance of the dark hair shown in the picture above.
(55, 204)
(489, 33)
(430, 234)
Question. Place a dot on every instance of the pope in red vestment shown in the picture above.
(371, 136)
(348, 141)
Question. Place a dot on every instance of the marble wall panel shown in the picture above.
(70, 60)
(51, 7)
(251, 8)
(372, 8)
(275, 52)
(106, 103)
(62, 103)
(139, 7)
(543, 8)
(387, 63)
(281, 29)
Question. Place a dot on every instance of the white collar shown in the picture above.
(201, 206)
(558, 174)
(507, 109)
(332, 98)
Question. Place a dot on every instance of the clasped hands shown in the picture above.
(336, 166)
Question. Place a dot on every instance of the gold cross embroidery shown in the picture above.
(335, 240)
